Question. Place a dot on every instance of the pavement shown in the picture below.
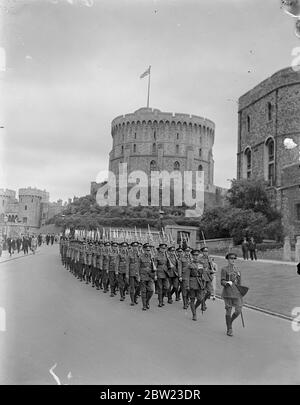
(53, 319)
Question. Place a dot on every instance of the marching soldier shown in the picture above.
(173, 275)
(94, 263)
(105, 266)
(230, 279)
(183, 264)
(195, 284)
(146, 275)
(89, 263)
(99, 265)
(123, 269)
(161, 263)
(113, 268)
(208, 271)
(134, 283)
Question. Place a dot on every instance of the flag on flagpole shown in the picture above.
(146, 73)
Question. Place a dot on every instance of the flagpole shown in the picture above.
(148, 87)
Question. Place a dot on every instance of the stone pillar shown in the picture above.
(287, 253)
(297, 250)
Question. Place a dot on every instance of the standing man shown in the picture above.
(252, 249)
(18, 242)
(172, 275)
(196, 284)
(184, 262)
(245, 248)
(207, 275)
(134, 284)
(230, 278)
(99, 265)
(113, 268)
(123, 269)
(161, 263)
(25, 245)
(146, 275)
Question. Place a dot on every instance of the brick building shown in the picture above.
(268, 114)
(152, 140)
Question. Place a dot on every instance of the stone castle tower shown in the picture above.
(149, 139)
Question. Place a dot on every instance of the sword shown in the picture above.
(243, 323)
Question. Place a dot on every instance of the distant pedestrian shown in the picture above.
(252, 249)
(18, 242)
(52, 239)
(47, 239)
(245, 249)
(214, 280)
(34, 244)
(25, 245)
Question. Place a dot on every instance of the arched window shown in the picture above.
(270, 161)
(248, 157)
(154, 148)
(122, 150)
(269, 111)
(135, 135)
(134, 148)
(248, 123)
(177, 135)
(154, 134)
(176, 166)
(177, 149)
(200, 152)
(153, 165)
(200, 168)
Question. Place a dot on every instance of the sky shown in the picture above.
(72, 66)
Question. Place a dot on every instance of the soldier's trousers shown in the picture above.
(134, 288)
(93, 274)
(112, 281)
(88, 273)
(147, 288)
(173, 288)
(105, 280)
(197, 295)
(122, 284)
(185, 293)
(98, 277)
(162, 287)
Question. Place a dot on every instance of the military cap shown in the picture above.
(146, 245)
(114, 244)
(229, 254)
(195, 251)
(134, 243)
(179, 249)
(203, 248)
(124, 244)
(107, 244)
(187, 248)
(171, 248)
(162, 245)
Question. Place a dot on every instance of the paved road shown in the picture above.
(53, 318)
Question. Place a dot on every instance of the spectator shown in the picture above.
(19, 242)
(25, 245)
(252, 249)
(214, 280)
(245, 248)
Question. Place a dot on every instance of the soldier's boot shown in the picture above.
(148, 296)
(177, 295)
(228, 324)
(136, 297)
(203, 305)
(193, 308)
(122, 294)
(170, 301)
(185, 306)
(144, 301)
(132, 299)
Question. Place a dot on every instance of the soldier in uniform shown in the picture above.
(89, 263)
(195, 283)
(230, 278)
(172, 275)
(105, 266)
(94, 263)
(161, 263)
(208, 271)
(123, 269)
(146, 275)
(113, 265)
(99, 265)
(134, 284)
(183, 264)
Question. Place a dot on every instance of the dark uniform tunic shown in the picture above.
(231, 294)
(134, 285)
(123, 271)
(161, 263)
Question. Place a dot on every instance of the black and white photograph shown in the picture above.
(150, 195)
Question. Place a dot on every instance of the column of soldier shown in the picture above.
(139, 269)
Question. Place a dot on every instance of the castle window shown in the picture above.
(122, 150)
(153, 165)
(176, 166)
(154, 148)
(177, 136)
(248, 156)
(154, 135)
(298, 212)
(134, 148)
(200, 152)
(269, 111)
(25, 207)
(135, 135)
(248, 123)
(24, 220)
(270, 161)
(177, 149)
(200, 168)
(32, 200)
